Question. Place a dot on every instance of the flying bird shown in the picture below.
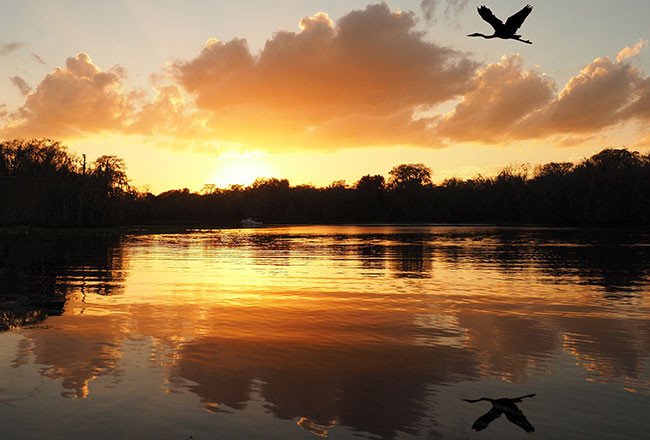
(504, 31)
(503, 406)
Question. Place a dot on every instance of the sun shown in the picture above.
(241, 169)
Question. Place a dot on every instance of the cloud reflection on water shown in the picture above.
(337, 328)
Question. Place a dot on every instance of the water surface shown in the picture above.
(338, 332)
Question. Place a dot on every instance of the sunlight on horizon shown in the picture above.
(241, 169)
(332, 109)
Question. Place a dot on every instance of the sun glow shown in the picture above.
(241, 169)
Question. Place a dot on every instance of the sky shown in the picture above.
(316, 91)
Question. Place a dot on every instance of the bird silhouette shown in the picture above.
(501, 406)
(504, 31)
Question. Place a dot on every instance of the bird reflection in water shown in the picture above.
(503, 406)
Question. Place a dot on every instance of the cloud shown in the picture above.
(169, 115)
(7, 48)
(640, 107)
(79, 98)
(600, 96)
(38, 59)
(429, 9)
(631, 51)
(312, 86)
(23, 87)
(370, 79)
(508, 103)
(502, 95)
(453, 8)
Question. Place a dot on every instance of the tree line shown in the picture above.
(43, 184)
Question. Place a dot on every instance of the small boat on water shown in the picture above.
(250, 223)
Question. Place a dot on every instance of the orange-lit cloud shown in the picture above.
(503, 94)
(79, 98)
(631, 51)
(167, 115)
(640, 108)
(370, 79)
(310, 87)
(508, 103)
(591, 101)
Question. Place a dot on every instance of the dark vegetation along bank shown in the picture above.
(42, 184)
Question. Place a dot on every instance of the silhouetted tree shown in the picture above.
(209, 188)
(370, 197)
(110, 172)
(35, 158)
(270, 184)
(370, 184)
(409, 175)
(551, 188)
(511, 194)
(41, 183)
(553, 170)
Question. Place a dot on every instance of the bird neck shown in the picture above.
(482, 35)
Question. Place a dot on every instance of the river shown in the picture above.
(325, 331)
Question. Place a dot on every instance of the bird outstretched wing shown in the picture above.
(516, 20)
(516, 416)
(488, 16)
(482, 422)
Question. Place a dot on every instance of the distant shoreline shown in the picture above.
(189, 228)
(42, 184)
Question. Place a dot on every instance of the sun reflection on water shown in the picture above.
(340, 328)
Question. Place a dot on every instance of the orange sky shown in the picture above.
(336, 98)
